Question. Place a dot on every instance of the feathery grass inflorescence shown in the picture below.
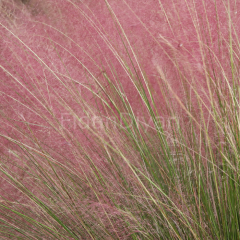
(106, 137)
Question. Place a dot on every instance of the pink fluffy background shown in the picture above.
(64, 33)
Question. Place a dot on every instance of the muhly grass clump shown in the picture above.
(119, 128)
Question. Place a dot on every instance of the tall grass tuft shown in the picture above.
(118, 128)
